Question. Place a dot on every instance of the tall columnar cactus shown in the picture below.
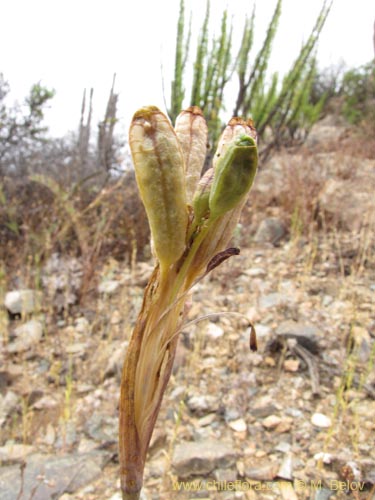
(191, 222)
(279, 106)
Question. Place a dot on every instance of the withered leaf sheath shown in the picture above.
(192, 133)
(159, 170)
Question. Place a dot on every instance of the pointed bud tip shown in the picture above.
(195, 110)
(146, 112)
(247, 124)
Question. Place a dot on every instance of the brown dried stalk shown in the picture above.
(191, 226)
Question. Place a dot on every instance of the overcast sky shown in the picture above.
(75, 44)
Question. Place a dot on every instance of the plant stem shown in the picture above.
(144, 379)
(131, 496)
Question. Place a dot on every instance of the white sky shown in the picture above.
(75, 44)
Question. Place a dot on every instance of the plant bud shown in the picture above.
(235, 128)
(234, 175)
(202, 195)
(159, 170)
(192, 133)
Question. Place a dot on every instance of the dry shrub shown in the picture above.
(304, 178)
(35, 221)
(287, 187)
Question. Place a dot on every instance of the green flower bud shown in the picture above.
(159, 170)
(235, 128)
(234, 175)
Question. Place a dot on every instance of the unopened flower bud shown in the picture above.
(235, 128)
(159, 169)
(234, 175)
(191, 130)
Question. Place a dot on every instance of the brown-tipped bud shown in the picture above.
(192, 133)
(159, 169)
(235, 128)
(234, 175)
(202, 196)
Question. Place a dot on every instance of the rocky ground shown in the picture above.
(294, 420)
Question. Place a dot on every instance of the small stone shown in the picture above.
(232, 413)
(191, 458)
(84, 388)
(262, 330)
(327, 300)
(158, 439)
(214, 331)
(323, 494)
(116, 359)
(13, 452)
(67, 435)
(361, 342)
(50, 476)
(50, 435)
(261, 470)
(10, 374)
(82, 325)
(27, 335)
(263, 407)
(294, 412)
(326, 458)
(86, 445)
(256, 272)
(206, 420)
(116, 318)
(320, 420)
(108, 287)
(291, 365)
(78, 348)
(238, 425)
(101, 428)
(283, 447)
(284, 426)
(270, 230)
(273, 299)
(271, 422)
(8, 404)
(45, 403)
(23, 301)
(286, 468)
(202, 405)
(305, 334)
(270, 361)
(226, 475)
(256, 358)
